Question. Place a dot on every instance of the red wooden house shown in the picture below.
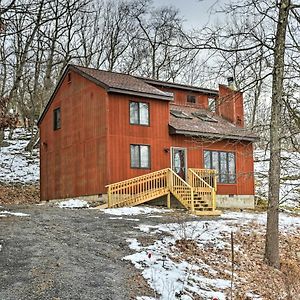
(137, 139)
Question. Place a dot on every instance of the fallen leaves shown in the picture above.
(19, 193)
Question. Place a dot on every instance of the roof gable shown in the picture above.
(122, 83)
(113, 83)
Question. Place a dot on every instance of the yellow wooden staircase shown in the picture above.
(198, 195)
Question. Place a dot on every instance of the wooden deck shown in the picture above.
(198, 195)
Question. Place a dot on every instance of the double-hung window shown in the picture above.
(223, 162)
(56, 118)
(139, 113)
(140, 156)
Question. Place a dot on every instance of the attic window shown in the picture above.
(212, 104)
(180, 114)
(191, 99)
(204, 117)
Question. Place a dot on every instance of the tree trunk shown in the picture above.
(272, 235)
(1, 136)
(33, 140)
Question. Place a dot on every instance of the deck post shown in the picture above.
(109, 197)
(169, 200)
(215, 181)
(192, 201)
(169, 180)
(213, 199)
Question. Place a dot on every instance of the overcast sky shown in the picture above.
(196, 12)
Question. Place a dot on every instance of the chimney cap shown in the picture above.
(230, 80)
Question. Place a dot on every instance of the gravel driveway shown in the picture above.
(68, 254)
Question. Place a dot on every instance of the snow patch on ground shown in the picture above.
(121, 218)
(134, 244)
(16, 165)
(169, 277)
(73, 203)
(6, 213)
(287, 222)
(136, 210)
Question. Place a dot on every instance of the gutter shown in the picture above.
(173, 131)
(142, 94)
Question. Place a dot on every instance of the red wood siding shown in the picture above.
(180, 97)
(92, 148)
(122, 134)
(73, 158)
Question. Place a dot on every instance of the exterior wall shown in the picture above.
(122, 134)
(73, 158)
(180, 97)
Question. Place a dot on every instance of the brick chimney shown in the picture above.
(230, 104)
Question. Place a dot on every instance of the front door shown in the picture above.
(178, 161)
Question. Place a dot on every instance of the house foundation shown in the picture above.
(235, 201)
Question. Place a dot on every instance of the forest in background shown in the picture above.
(40, 37)
(257, 43)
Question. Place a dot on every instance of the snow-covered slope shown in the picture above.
(16, 165)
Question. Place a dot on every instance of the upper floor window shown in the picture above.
(212, 104)
(140, 156)
(191, 99)
(139, 113)
(56, 118)
(223, 162)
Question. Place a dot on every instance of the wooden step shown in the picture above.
(204, 208)
(197, 205)
(102, 206)
(214, 213)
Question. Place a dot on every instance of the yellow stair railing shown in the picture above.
(204, 183)
(139, 189)
(198, 195)
(181, 190)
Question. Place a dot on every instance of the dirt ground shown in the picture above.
(68, 254)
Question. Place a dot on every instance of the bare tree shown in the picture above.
(272, 235)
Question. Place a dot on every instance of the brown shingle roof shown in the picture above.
(122, 83)
(196, 127)
(160, 83)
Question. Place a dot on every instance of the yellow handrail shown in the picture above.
(205, 191)
(163, 182)
(209, 174)
(181, 190)
(135, 190)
